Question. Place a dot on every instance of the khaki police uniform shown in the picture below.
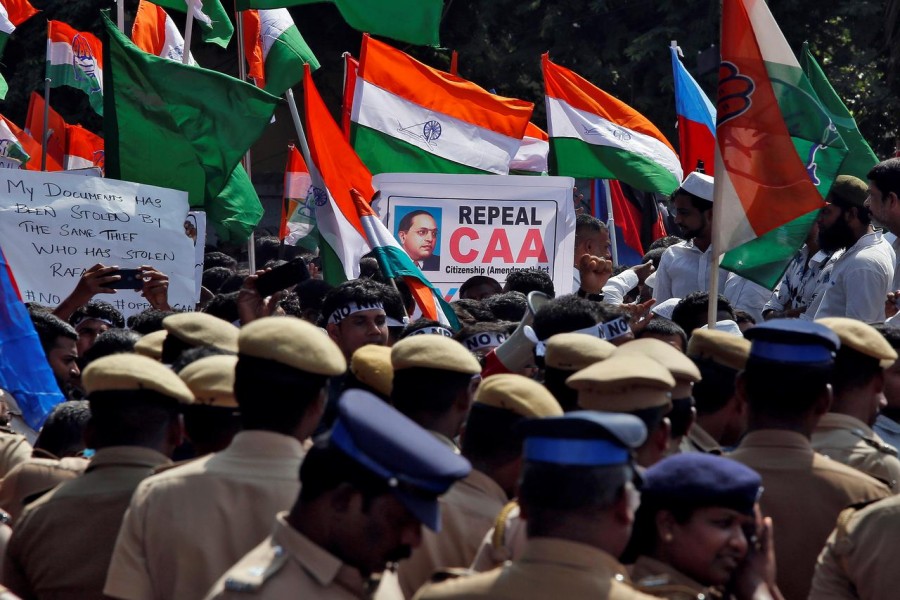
(79, 520)
(14, 450)
(287, 564)
(849, 441)
(468, 510)
(188, 525)
(28, 480)
(504, 541)
(548, 568)
(662, 580)
(859, 560)
(698, 440)
(62, 543)
(804, 494)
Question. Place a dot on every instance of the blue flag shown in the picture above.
(24, 370)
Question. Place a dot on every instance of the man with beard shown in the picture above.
(59, 341)
(367, 487)
(862, 276)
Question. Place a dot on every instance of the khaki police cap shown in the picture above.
(575, 351)
(151, 344)
(433, 352)
(723, 348)
(863, 338)
(292, 342)
(211, 379)
(371, 365)
(680, 366)
(623, 383)
(201, 329)
(128, 372)
(517, 394)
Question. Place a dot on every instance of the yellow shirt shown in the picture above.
(188, 525)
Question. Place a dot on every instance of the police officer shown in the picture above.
(845, 432)
(494, 448)
(578, 497)
(367, 487)
(134, 428)
(195, 329)
(564, 355)
(721, 414)
(786, 389)
(186, 526)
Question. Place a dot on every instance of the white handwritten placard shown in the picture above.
(54, 226)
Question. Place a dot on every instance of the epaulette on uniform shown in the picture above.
(252, 578)
(875, 443)
(662, 587)
(498, 540)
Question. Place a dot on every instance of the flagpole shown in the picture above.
(45, 135)
(611, 223)
(298, 126)
(120, 15)
(242, 75)
(188, 30)
(713, 308)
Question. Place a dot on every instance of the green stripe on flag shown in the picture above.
(4, 87)
(575, 158)
(765, 259)
(88, 83)
(332, 267)
(221, 30)
(382, 153)
(284, 63)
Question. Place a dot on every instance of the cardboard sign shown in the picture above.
(458, 226)
(55, 226)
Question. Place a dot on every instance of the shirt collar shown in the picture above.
(131, 456)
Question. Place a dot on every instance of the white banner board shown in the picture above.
(459, 226)
(54, 226)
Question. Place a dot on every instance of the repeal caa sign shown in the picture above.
(54, 226)
(458, 226)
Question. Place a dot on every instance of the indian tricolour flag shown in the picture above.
(155, 32)
(777, 149)
(532, 155)
(275, 50)
(335, 171)
(12, 154)
(12, 14)
(593, 134)
(408, 117)
(75, 58)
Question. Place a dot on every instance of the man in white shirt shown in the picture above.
(883, 203)
(862, 276)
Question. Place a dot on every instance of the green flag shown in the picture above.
(236, 211)
(210, 15)
(412, 21)
(860, 158)
(182, 127)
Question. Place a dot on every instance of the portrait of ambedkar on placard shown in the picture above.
(418, 234)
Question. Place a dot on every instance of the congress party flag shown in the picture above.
(593, 134)
(75, 58)
(12, 153)
(298, 214)
(24, 370)
(395, 262)
(531, 158)
(155, 32)
(183, 127)
(777, 149)
(412, 21)
(696, 120)
(84, 149)
(275, 50)
(12, 14)
(30, 146)
(335, 170)
(410, 118)
(210, 15)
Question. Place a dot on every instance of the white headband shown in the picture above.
(605, 331)
(436, 330)
(484, 340)
(348, 309)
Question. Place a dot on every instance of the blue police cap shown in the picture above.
(583, 438)
(417, 466)
(697, 480)
(793, 341)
